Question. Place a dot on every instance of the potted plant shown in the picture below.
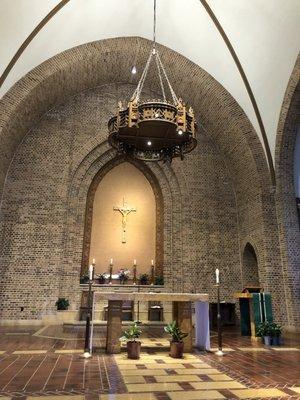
(276, 334)
(265, 331)
(123, 275)
(176, 344)
(84, 278)
(144, 279)
(159, 280)
(133, 345)
(62, 304)
(101, 279)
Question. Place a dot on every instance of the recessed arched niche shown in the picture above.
(123, 237)
(250, 266)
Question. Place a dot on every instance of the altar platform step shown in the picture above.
(104, 323)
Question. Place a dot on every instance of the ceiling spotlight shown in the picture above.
(133, 70)
(149, 143)
(180, 131)
(156, 115)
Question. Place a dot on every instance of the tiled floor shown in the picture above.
(46, 362)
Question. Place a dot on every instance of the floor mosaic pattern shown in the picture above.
(46, 363)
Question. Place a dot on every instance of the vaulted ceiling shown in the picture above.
(264, 33)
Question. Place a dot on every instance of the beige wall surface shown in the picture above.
(124, 181)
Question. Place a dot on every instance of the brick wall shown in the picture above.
(214, 202)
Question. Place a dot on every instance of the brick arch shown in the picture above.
(77, 224)
(96, 63)
(152, 179)
(250, 265)
(287, 216)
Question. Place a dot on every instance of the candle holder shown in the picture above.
(110, 273)
(219, 352)
(134, 274)
(87, 342)
(152, 274)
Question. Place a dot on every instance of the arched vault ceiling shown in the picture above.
(265, 35)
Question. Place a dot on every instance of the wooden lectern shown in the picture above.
(255, 307)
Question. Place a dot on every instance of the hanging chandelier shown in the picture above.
(153, 130)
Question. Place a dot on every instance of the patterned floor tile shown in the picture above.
(217, 385)
(214, 349)
(220, 377)
(24, 352)
(55, 397)
(206, 370)
(253, 349)
(153, 387)
(144, 372)
(69, 351)
(197, 371)
(196, 395)
(134, 379)
(285, 349)
(258, 393)
(295, 389)
(177, 378)
(128, 396)
(2, 351)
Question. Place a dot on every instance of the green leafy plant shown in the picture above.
(159, 280)
(84, 278)
(175, 332)
(264, 329)
(62, 304)
(276, 329)
(101, 279)
(144, 279)
(132, 333)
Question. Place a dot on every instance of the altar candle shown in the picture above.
(111, 261)
(91, 270)
(152, 274)
(134, 262)
(134, 273)
(217, 276)
(94, 261)
(110, 273)
(152, 262)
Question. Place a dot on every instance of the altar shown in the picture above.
(181, 312)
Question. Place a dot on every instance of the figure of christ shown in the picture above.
(125, 210)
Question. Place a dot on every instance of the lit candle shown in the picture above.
(152, 262)
(134, 262)
(217, 276)
(152, 274)
(110, 273)
(111, 261)
(91, 270)
(134, 273)
(94, 261)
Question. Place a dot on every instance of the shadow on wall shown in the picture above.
(250, 267)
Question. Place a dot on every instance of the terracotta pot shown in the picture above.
(176, 349)
(133, 350)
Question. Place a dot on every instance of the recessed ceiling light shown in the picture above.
(180, 131)
(149, 143)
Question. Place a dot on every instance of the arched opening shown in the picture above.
(250, 267)
(109, 234)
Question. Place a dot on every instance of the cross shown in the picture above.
(125, 211)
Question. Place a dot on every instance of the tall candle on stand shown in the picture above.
(152, 272)
(134, 271)
(217, 276)
(110, 270)
(91, 272)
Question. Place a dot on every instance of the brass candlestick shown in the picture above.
(134, 274)
(110, 273)
(152, 274)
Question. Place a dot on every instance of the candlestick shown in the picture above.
(152, 274)
(110, 273)
(111, 261)
(134, 273)
(91, 272)
(217, 276)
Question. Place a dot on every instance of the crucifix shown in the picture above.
(125, 210)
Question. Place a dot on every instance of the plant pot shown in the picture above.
(276, 340)
(176, 349)
(133, 350)
(267, 340)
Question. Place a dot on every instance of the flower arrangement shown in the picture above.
(123, 275)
